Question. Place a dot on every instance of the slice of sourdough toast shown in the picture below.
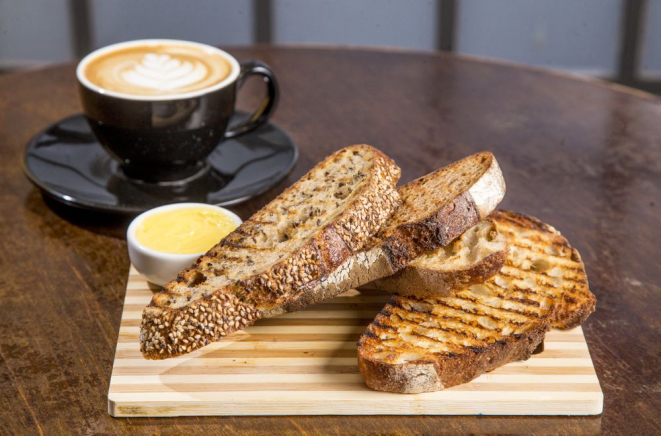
(435, 210)
(300, 237)
(472, 258)
(423, 345)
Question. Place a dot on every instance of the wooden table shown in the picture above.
(582, 155)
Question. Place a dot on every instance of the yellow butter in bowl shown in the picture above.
(188, 230)
(166, 240)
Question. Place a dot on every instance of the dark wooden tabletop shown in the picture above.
(581, 155)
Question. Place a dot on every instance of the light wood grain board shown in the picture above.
(304, 363)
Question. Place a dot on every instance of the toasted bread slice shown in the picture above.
(435, 210)
(472, 258)
(423, 345)
(300, 237)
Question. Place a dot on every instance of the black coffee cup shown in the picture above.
(166, 138)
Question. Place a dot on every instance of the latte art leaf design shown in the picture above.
(163, 72)
(158, 69)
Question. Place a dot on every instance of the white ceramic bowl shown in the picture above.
(158, 267)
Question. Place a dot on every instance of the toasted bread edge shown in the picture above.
(444, 371)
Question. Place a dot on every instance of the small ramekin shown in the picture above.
(158, 267)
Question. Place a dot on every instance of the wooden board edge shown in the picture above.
(590, 405)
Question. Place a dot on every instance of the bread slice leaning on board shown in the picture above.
(428, 344)
(472, 258)
(301, 236)
(435, 209)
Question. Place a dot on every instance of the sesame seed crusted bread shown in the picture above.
(472, 258)
(435, 210)
(299, 238)
(428, 344)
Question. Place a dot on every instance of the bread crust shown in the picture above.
(440, 372)
(404, 243)
(422, 281)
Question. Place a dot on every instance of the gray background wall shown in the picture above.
(575, 35)
(578, 35)
(651, 57)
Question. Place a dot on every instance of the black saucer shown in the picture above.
(69, 165)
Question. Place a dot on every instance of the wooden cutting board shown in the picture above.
(304, 363)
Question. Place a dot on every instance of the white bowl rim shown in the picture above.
(133, 240)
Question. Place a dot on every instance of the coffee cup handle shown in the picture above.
(265, 110)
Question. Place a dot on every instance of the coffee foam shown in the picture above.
(162, 69)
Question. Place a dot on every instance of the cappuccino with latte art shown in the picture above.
(158, 69)
(161, 106)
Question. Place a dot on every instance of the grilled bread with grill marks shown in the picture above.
(300, 237)
(423, 345)
(472, 258)
(540, 251)
(435, 210)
